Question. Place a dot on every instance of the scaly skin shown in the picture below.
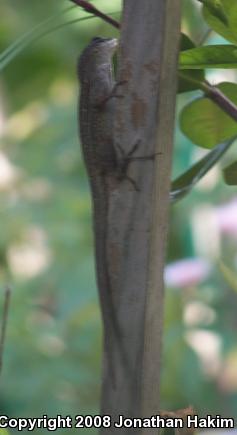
(95, 120)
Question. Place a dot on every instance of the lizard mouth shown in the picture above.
(113, 44)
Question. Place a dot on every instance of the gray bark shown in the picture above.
(138, 220)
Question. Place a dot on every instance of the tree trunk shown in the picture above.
(138, 210)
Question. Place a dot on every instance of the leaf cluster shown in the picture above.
(202, 120)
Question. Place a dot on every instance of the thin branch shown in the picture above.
(7, 296)
(88, 7)
(216, 95)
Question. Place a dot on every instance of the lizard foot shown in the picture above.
(113, 94)
(127, 159)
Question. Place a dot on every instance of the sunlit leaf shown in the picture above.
(225, 27)
(205, 123)
(210, 56)
(216, 9)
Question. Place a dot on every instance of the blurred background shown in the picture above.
(53, 346)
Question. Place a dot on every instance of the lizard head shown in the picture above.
(104, 44)
(99, 51)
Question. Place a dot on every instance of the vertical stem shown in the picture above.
(138, 220)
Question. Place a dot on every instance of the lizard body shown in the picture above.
(95, 120)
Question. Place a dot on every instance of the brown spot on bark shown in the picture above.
(152, 67)
(138, 112)
(126, 72)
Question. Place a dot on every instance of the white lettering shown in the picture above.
(3, 418)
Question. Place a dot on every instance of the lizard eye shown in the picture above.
(98, 39)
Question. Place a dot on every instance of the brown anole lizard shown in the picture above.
(96, 110)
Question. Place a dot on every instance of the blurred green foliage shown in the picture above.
(52, 357)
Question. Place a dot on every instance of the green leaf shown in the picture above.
(205, 124)
(185, 182)
(226, 28)
(210, 56)
(189, 79)
(216, 9)
(230, 174)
